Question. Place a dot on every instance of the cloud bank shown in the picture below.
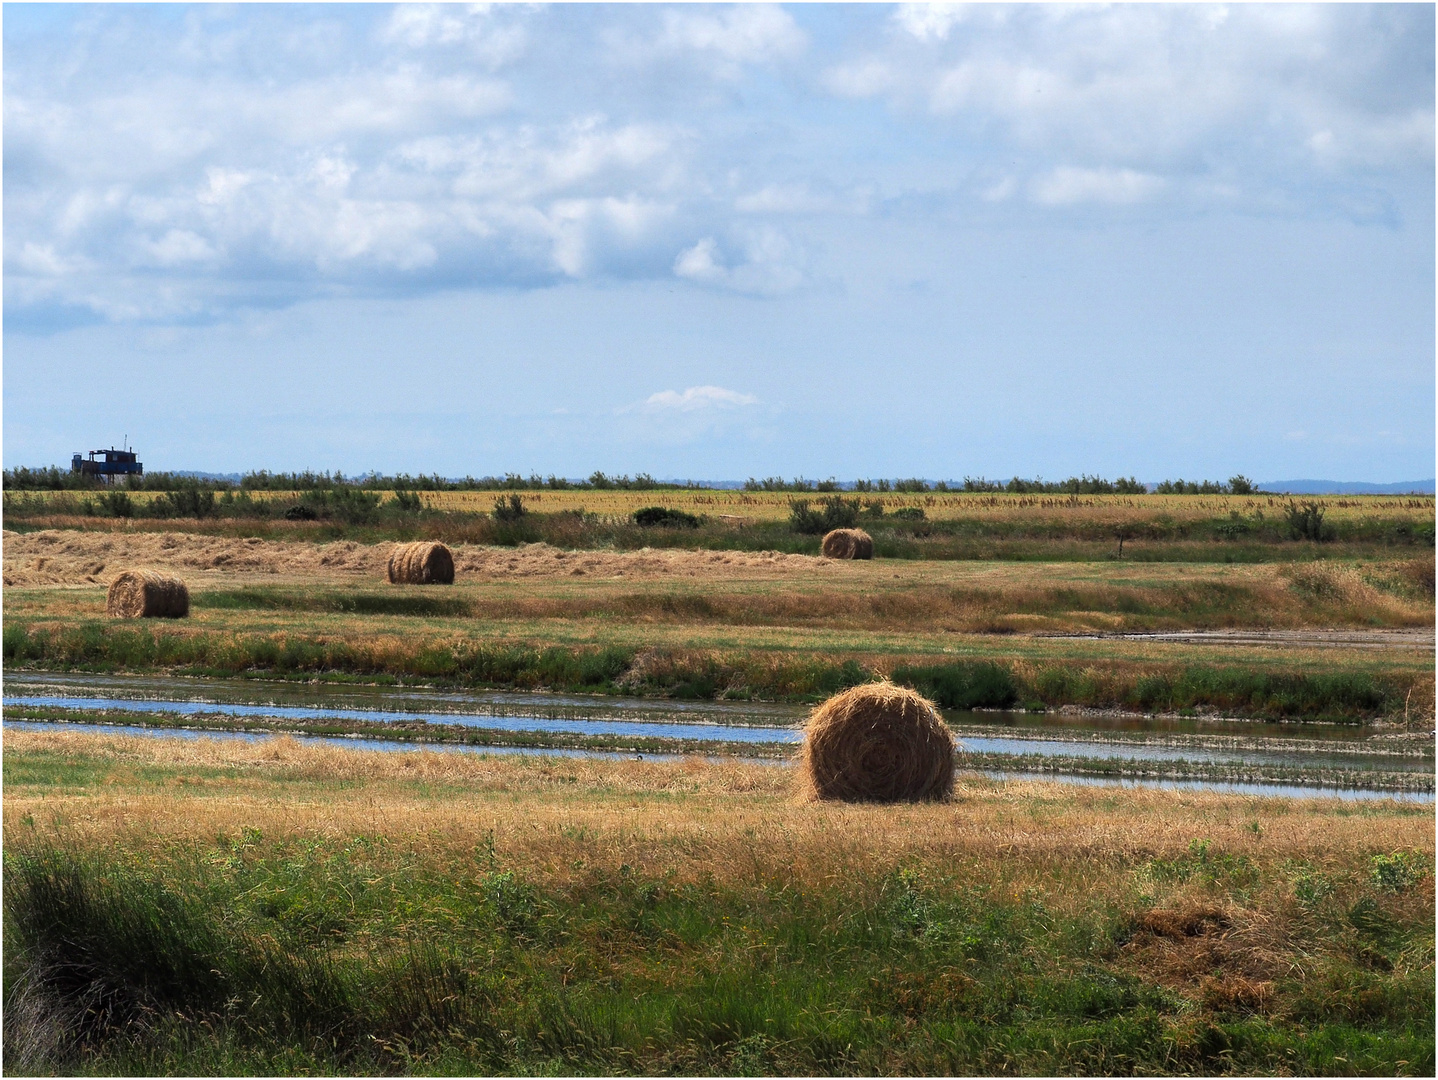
(175, 166)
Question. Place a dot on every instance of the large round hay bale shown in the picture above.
(877, 743)
(421, 563)
(147, 594)
(848, 544)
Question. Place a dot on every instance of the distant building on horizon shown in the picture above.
(115, 463)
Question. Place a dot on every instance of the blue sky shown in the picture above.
(715, 242)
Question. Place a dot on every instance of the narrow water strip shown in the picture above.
(358, 743)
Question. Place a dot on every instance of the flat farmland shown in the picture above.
(765, 506)
(744, 624)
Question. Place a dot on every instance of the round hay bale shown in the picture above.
(877, 743)
(421, 563)
(848, 544)
(147, 594)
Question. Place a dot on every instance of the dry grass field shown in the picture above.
(596, 916)
(704, 622)
(768, 506)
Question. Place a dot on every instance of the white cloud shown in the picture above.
(928, 21)
(700, 262)
(177, 247)
(698, 397)
(771, 264)
(738, 34)
(268, 155)
(490, 32)
(799, 199)
(1164, 89)
(1067, 185)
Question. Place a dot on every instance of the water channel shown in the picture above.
(1260, 758)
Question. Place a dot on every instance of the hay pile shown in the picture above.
(877, 743)
(147, 594)
(848, 544)
(421, 563)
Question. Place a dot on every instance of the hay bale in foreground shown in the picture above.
(877, 743)
(147, 594)
(421, 563)
(848, 544)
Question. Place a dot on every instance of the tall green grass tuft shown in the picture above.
(301, 955)
(978, 685)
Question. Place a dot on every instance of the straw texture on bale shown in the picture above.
(147, 594)
(421, 563)
(877, 743)
(848, 544)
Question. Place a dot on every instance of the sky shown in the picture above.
(715, 242)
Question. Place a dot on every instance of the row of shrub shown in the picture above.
(52, 478)
(1239, 691)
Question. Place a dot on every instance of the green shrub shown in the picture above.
(188, 499)
(835, 512)
(650, 516)
(408, 502)
(509, 509)
(1305, 522)
(1397, 872)
(117, 504)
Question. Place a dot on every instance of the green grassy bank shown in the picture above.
(1268, 692)
(305, 954)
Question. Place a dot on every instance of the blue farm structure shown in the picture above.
(114, 463)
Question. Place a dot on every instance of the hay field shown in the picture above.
(949, 506)
(333, 910)
(764, 588)
(743, 624)
(766, 506)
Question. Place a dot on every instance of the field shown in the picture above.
(742, 625)
(216, 906)
(1043, 528)
(239, 908)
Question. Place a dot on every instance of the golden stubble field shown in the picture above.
(748, 507)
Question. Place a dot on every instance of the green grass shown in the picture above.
(1346, 696)
(303, 954)
(255, 598)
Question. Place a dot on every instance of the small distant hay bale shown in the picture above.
(147, 594)
(421, 563)
(848, 544)
(877, 743)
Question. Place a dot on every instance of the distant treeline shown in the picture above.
(56, 479)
